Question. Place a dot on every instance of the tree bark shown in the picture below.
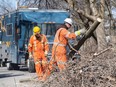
(100, 32)
(101, 37)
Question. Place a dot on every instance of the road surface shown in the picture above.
(18, 78)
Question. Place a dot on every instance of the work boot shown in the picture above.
(46, 75)
(40, 78)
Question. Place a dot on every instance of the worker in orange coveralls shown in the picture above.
(38, 49)
(59, 57)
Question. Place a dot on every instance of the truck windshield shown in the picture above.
(49, 29)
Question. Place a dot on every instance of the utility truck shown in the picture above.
(16, 28)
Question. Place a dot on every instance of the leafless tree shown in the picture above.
(6, 6)
(88, 11)
(43, 4)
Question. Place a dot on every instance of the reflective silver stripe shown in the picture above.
(61, 62)
(41, 62)
(37, 62)
(42, 41)
(67, 34)
(56, 43)
(52, 60)
(46, 43)
(34, 38)
(30, 45)
(35, 45)
(44, 62)
(58, 35)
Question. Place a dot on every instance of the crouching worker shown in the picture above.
(59, 57)
(38, 48)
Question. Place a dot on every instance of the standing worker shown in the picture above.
(38, 48)
(59, 57)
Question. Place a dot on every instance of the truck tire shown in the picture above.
(31, 65)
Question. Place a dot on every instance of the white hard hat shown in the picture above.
(68, 20)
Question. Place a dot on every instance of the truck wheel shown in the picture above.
(31, 65)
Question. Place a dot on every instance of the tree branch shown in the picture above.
(86, 36)
(89, 17)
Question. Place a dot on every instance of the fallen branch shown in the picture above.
(96, 54)
(71, 47)
(25, 80)
(28, 79)
(108, 78)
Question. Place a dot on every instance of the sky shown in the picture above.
(12, 2)
(114, 12)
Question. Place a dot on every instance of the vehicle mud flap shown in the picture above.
(31, 65)
(0, 63)
(11, 66)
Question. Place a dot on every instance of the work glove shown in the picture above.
(79, 32)
(46, 53)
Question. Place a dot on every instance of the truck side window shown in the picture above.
(49, 29)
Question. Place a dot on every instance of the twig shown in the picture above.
(97, 54)
(25, 80)
(71, 47)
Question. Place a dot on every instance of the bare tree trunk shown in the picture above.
(93, 8)
(101, 36)
(100, 32)
(71, 4)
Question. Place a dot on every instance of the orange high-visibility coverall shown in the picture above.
(59, 49)
(38, 49)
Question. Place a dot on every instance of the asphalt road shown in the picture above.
(18, 78)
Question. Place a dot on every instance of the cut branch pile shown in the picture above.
(89, 72)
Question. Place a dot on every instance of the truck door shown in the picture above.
(0, 47)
